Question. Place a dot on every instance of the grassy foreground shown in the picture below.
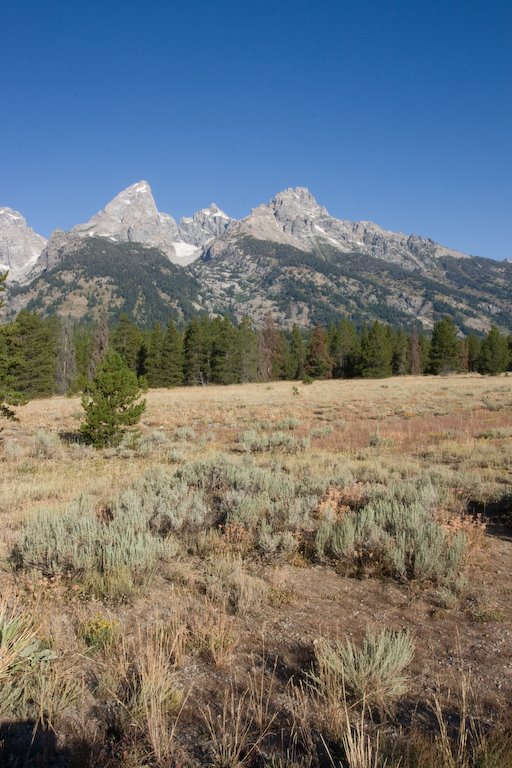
(271, 575)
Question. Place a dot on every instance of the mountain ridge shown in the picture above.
(289, 257)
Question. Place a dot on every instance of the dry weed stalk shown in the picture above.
(213, 630)
(234, 734)
(146, 688)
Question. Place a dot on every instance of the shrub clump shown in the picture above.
(111, 553)
(373, 674)
(394, 539)
(255, 442)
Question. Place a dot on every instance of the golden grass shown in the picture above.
(457, 430)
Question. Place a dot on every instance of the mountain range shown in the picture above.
(289, 257)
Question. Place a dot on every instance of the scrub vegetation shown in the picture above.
(266, 575)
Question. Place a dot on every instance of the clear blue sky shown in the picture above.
(398, 111)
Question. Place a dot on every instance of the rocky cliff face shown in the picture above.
(289, 257)
(204, 226)
(132, 217)
(20, 246)
(293, 217)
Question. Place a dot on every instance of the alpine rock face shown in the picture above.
(20, 246)
(294, 217)
(289, 257)
(132, 216)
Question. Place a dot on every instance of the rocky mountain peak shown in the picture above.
(214, 210)
(205, 225)
(132, 216)
(20, 246)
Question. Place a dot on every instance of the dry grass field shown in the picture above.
(269, 575)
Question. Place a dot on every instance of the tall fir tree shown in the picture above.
(346, 350)
(424, 345)
(9, 396)
(463, 347)
(155, 344)
(194, 354)
(223, 352)
(66, 362)
(494, 353)
(296, 354)
(474, 345)
(172, 357)
(400, 352)
(246, 351)
(376, 352)
(127, 340)
(33, 343)
(99, 344)
(271, 351)
(444, 349)
(318, 362)
(415, 364)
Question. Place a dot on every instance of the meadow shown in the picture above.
(281, 575)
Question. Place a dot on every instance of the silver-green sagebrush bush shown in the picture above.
(393, 538)
(111, 555)
(372, 673)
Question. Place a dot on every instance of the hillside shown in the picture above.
(129, 277)
(290, 257)
(254, 277)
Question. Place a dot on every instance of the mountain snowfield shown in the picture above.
(293, 217)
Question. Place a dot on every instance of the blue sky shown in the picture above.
(394, 111)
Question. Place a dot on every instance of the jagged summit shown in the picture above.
(293, 217)
(289, 256)
(20, 246)
(132, 216)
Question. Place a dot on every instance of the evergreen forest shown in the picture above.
(41, 356)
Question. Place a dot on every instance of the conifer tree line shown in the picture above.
(43, 356)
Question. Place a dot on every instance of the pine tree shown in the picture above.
(112, 405)
(194, 354)
(33, 349)
(345, 350)
(376, 352)
(223, 352)
(444, 351)
(8, 396)
(155, 344)
(127, 340)
(82, 342)
(99, 344)
(474, 345)
(318, 363)
(246, 351)
(400, 347)
(172, 357)
(271, 352)
(296, 355)
(494, 353)
(415, 366)
(66, 363)
(463, 355)
(424, 345)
